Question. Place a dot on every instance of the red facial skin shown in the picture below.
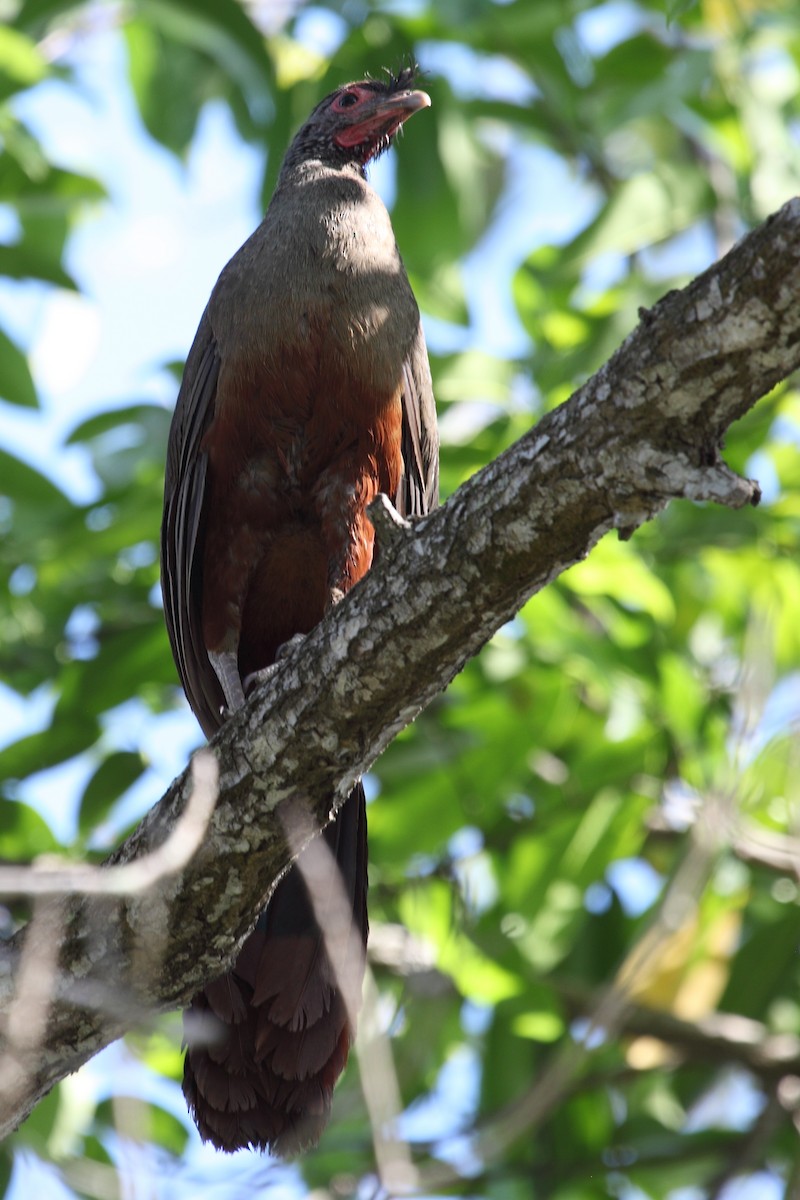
(375, 118)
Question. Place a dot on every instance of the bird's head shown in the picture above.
(357, 122)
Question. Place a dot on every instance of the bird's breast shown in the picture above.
(319, 292)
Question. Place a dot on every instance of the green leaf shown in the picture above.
(6, 1167)
(168, 83)
(167, 1130)
(447, 186)
(212, 23)
(24, 483)
(161, 1127)
(114, 776)
(763, 969)
(542, 1019)
(34, 13)
(181, 54)
(644, 210)
(21, 63)
(678, 8)
(36, 1129)
(684, 698)
(125, 443)
(126, 659)
(428, 912)
(616, 570)
(24, 833)
(16, 382)
(26, 261)
(148, 417)
(38, 751)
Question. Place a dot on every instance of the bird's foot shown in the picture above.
(252, 680)
(286, 648)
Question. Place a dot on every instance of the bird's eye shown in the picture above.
(348, 99)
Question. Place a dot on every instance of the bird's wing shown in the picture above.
(182, 528)
(418, 491)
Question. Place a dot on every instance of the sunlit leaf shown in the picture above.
(24, 833)
(20, 61)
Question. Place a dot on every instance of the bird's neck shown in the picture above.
(327, 218)
(298, 165)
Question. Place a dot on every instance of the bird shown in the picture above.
(306, 392)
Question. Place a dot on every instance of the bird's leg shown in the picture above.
(226, 669)
(284, 650)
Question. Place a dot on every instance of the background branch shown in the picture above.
(717, 1037)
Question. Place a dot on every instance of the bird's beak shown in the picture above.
(383, 118)
(406, 103)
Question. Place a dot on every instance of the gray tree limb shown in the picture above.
(644, 430)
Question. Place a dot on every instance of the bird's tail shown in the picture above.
(274, 1033)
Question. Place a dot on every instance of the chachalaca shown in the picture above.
(306, 392)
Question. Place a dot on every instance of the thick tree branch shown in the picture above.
(645, 429)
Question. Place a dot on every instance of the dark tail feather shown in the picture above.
(268, 1041)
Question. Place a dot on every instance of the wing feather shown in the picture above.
(185, 499)
(418, 492)
(183, 528)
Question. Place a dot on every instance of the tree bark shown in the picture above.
(645, 429)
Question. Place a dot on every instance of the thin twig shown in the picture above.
(345, 950)
(26, 1018)
(38, 979)
(51, 876)
(753, 844)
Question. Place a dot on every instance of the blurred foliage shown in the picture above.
(528, 825)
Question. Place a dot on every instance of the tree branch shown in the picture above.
(720, 1038)
(645, 429)
(751, 843)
